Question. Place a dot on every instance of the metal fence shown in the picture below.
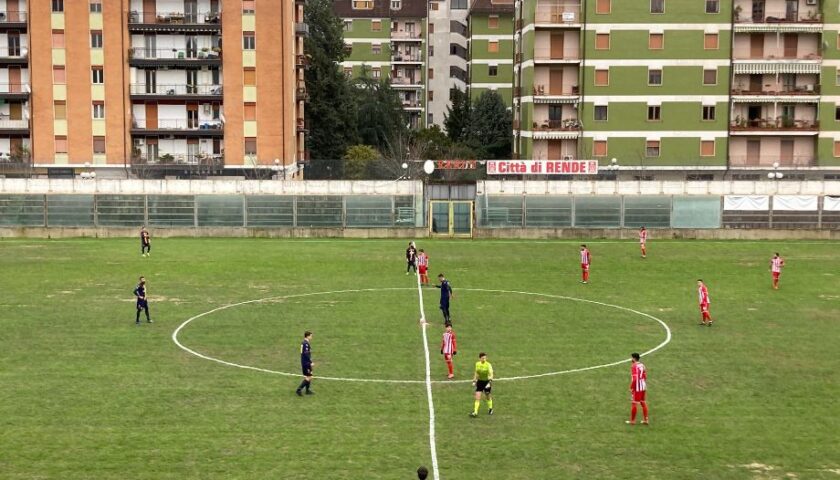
(189, 211)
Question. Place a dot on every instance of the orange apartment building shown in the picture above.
(159, 87)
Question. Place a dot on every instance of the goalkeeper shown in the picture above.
(482, 380)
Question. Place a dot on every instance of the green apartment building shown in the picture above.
(491, 48)
(705, 86)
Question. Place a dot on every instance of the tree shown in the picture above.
(457, 116)
(380, 118)
(433, 144)
(359, 162)
(490, 127)
(331, 112)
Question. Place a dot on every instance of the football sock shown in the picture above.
(137, 318)
(308, 383)
(475, 408)
(449, 365)
(490, 404)
(645, 410)
(633, 411)
(302, 385)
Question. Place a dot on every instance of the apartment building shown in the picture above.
(448, 54)
(491, 48)
(706, 86)
(149, 85)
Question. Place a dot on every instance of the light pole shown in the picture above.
(775, 173)
(276, 169)
(405, 172)
(613, 167)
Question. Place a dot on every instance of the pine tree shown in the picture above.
(491, 127)
(457, 116)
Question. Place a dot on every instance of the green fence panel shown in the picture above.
(22, 210)
(270, 211)
(597, 212)
(220, 210)
(647, 211)
(696, 212)
(70, 210)
(319, 211)
(500, 211)
(369, 211)
(548, 211)
(406, 209)
(171, 210)
(120, 210)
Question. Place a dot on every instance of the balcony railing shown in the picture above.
(411, 104)
(14, 88)
(781, 16)
(14, 52)
(780, 55)
(547, 54)
(174, 54)
(777, 124)
(405, 81)
(557, 14)
(569, 124)
(545, 90)
(175, 18)
(177, 89)
(764, 160)
(177, 124)
(179, 159)
(301, 28)
(406, 57)
(401, 35)
(12, 17)
(9, 124)
(791, 91)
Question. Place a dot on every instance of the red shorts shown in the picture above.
(447, 357)
(423, 269)
(776, 275)
(639, 396)
(704, 307)
(584, 267)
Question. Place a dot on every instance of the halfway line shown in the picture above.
(423, 325)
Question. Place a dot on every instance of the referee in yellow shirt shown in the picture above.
(482, 380)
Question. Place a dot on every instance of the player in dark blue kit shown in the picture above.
(142, 303)
(305, 364)
(445, 295)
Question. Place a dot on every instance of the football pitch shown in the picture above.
(86, 394)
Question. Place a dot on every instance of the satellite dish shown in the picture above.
(429, 167)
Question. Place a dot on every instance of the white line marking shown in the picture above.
(424, 324)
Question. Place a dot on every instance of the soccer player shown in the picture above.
(145, 242)
(776, 264)
(703, 297)
(638, 387)
(305, 364)
(585, 260)
(423, 267)
(445, 295)
(449, 348)
(411, 258)
(142, 302)
(482, 381)
(643, 241)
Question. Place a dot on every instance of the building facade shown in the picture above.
(147, 85)
(491, 48)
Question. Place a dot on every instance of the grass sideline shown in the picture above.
(86, 394)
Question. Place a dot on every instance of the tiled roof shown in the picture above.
(382, 9)
(492, 6)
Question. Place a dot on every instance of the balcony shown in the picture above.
(404, 82)
(767, 161)
(302, 61)
(142, 91)
(556, 15)
(14, 56)
(177, 164)
(301, 126)
(174, 57)
(174, 22)
(407, 58)
(177, 126)
(545, 55)
(13, 21)
(774, 126)
(14, 91)
(302, 29)
(781, 20)
(301, 94)
(544, 94)
(13, 127)
(412, 105)
(401, 36)
(556, 129)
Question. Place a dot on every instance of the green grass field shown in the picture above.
(85, 394)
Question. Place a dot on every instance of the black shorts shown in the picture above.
(142, 304)
(306, 370)
(483, 386)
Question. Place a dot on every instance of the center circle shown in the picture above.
(496, 308)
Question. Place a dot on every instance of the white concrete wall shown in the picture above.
(628, 187)
(441, 61)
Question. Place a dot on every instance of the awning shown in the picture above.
(775, 98)
(771, 67)
(778, 27)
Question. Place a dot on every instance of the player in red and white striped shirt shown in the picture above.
(703, 298)
(643, 241)
(585, 260)
(449, 348)
(423, 267)
(638, 389)
(776, 264)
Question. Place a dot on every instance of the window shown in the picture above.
(57, 6)
(707, 148)
(493, 46)
(431, 28)
(95, 6)
(396, 4)
(98, 110)
(493, 22)
(434, 6)
(431, 73)
(602, 78)
(250, 112)
(60, 144)
(250, 146)
(837, 76)
(96, 39)
(59, 75)
(603, 6)
(431, 95)
(430, 118)
(97, 75)
(395, 26)
(837, 113)
(459, 4)
(710, 77)
(348, 25)
(712, 6)
(652, 148)
(376, 48)
(657, 6)
(376, 73)
(250, 77)
(600, 113)
(98, 145)
(599, 148)
(655, 77)
(58, 39)
(837, 148)
(708, 113)
(656, 41)
(249, 7)
(493, 70)
(431, 50)
(249, 41)
(710, 41)
(654, 113)
(60, 108)
(376, 25)
(602, 41)
(362, 4)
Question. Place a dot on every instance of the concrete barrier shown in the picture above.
(90, 232)
(655, 234)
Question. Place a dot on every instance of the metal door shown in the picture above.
(451, 218)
